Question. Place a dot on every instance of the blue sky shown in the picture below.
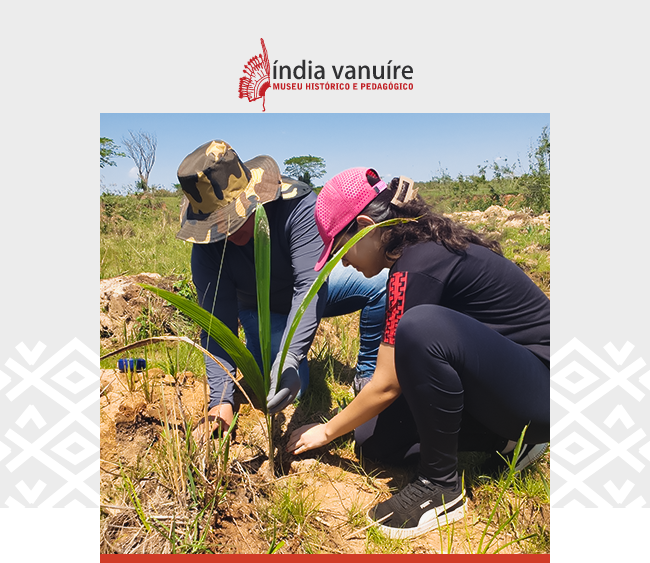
(414, 145)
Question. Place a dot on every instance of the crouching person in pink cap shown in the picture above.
(464, 358)
(217, 216)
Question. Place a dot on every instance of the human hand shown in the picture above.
(289, 383)
(218, 416)
(307, 438)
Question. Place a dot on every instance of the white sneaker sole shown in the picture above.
(430, 521)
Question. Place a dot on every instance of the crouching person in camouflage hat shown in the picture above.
(217, 216)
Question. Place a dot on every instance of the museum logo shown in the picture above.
(308, 76)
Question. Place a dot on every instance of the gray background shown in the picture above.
(583, 62)
(599, 296)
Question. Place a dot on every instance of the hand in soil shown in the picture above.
(220, 415)
(306, 438)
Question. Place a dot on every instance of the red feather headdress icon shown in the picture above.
(257, 77)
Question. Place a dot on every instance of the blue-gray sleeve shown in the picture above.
(205, 273)
(305, 247)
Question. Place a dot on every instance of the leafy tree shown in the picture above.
(141, 147)
(108, 150)
(542, 153)
(538, 185)
(305, 168)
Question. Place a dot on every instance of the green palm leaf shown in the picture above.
(220, 333)
(263, 284)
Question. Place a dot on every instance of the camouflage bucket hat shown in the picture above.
(221, 191)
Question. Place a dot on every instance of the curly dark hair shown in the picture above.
(428, 226)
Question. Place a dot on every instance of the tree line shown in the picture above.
(141, 148)
(534, 184)
(476, 191)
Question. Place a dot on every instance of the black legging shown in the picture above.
(455, 371)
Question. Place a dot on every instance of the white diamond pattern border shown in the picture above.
(49, 446)
(602, 413)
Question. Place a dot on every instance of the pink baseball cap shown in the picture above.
(340, 201)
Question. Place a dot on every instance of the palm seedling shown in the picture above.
(260, 380)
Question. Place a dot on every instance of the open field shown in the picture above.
(160, 493)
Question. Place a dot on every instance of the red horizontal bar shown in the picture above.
(230, 558)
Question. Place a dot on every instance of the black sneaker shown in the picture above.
(419, 507)
(528, 455)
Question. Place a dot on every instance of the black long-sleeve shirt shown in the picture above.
(480, 284)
